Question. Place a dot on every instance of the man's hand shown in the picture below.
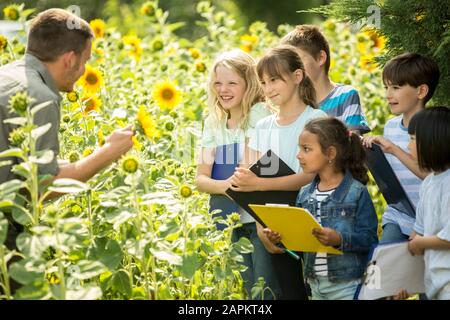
(386, 145)
(244, 180)
(119, 142)
(328, 237)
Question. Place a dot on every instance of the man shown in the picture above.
(59, 45)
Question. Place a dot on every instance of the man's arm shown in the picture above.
(118, 143)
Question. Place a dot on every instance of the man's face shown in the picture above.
(76, 68)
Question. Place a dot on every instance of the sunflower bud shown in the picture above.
(185, 191)
(130, 164)
(19, 102)
(17, 137)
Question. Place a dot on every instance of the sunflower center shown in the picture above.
(167, 94)
(91, 78)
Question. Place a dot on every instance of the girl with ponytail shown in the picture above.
(339, 200)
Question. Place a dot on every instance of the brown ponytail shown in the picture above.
(307, 91)
(350, 151)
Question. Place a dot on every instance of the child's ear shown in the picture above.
(331, 153)
(298, 74)
(422, 91)
(321, 58)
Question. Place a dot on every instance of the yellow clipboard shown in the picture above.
(295, 226)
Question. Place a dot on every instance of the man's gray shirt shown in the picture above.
(30, 75)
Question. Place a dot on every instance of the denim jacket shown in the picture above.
(348, 210)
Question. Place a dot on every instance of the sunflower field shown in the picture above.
(139, 229)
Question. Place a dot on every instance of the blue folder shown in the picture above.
(225, 162)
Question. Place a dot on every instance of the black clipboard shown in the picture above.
(387, 181)
(268, 166)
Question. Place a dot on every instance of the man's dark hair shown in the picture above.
(56, 31)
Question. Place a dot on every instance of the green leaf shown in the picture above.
(86, 269)
(27, 271)
(121, 283)
(19, 121)
(3, 228)
(243, 246)
(190, 264)
(39, 107)
(68, 186)
(11, 186)
(31, 245)
(40, 131)
(43, 157)
(6, 203)
(35, 291)
(87, 293)
(106, 251)
(15, 152)
(168, 256)
(20, 216)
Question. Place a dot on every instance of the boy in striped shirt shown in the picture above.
(410, 80)
(337, 100)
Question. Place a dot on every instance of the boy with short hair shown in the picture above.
(337, 100)
(410, 80)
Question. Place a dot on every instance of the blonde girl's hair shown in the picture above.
(283, 60)
(245, 66)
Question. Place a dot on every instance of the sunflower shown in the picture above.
(91, 80)
(134, 45)
(98, 26)
(11, 12)
(166, 95)
(248, 41)
(195, 53)
(3, 42)
(91, 103)
(101, 138)
(72, 96)
(137, 145)
(147, 123)
(147, 9)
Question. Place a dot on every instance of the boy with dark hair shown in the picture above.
(337, 100)
(410, 80)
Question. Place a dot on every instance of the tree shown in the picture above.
(421, 26)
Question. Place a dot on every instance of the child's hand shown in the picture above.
(414, 246)
(270, 247)
(386, 145)
(402, 295)
(273, 236)
(244, 180)
(328, 237)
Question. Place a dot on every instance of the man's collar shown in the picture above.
(40, 67)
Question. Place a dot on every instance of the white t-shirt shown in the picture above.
(283, 140)
(433, 219)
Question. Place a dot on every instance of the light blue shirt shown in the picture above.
(283, 140)
(398, 134)
(433, 219)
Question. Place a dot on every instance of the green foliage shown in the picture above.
(409, 26)
(146, 233)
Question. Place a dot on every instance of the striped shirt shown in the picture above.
(398, 134)
(321, 265)
(344, 104)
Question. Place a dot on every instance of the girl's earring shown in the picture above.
(329, 161)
